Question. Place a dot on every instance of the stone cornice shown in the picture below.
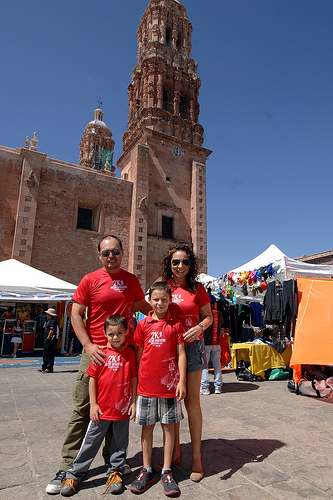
(35, 155)
(168, 206)
(142, 132)
(160, 238)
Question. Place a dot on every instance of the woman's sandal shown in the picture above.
(196, 476)
(176, 461)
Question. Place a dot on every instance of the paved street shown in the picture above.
(260, 441)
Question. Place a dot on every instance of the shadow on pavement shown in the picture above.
(238, 387)
(56, 370)
(228, 456)
(220, 456)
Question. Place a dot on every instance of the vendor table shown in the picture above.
(261, 356)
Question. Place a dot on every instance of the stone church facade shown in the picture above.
(53, 213)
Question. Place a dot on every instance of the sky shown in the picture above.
(266, 104)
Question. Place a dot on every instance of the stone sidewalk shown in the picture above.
(259, 442)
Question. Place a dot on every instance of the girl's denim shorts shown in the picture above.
(196, 356)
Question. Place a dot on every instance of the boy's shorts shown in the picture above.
(152, 410)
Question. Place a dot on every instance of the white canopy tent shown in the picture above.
(270, 255)
(205, 278)
(284, 268)
(19, 281)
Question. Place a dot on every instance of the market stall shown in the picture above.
(263, 292)
(24, 292)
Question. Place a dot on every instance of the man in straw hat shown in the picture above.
(50, 340)
(109, 290)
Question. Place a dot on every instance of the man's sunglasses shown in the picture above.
(106, 253)
(176, 262)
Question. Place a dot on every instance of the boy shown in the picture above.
(112, 394)
(213, 351)
(162, 377)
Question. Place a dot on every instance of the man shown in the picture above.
(109, 290)
(41, 320)
(50, 340)
(213, 351)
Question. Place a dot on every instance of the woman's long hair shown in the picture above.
(166, 271)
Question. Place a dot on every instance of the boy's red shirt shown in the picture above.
(114, 388)
(158, 369)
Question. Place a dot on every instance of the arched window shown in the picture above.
(179, 41)
(168, 38)
(183, 106)
(166, 104)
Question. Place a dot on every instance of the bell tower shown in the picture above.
(162, 148)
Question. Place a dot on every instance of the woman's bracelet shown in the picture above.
(201, 326)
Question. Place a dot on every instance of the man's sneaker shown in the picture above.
(205, 392)
(114, 483)
(70, 486)
(53, 488)
(142, 481)
(170, 485)
(218, 390)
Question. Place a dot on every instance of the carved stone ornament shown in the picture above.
(107, 164)
(142, 202)
(34, 142)
(31, 180)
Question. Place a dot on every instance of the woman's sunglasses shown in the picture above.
(176, 262)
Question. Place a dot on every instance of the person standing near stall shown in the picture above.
(191, 305)
(17, 336)
(24, 314)
(9, 313)
(213, 351)
(50, 340)
(41, 321)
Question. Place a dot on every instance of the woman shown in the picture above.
(8, 314)
(191, 305)
(17, 336)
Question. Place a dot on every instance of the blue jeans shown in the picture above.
(213, 353)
